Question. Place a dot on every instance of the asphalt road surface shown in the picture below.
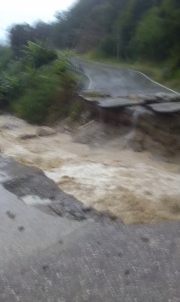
(45, 257)
(62, 252)
(118, 81)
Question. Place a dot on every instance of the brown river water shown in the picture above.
(129, 184)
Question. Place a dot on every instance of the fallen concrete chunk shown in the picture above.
(168, 107)
(45, 131)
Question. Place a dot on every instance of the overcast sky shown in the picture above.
(18, 11)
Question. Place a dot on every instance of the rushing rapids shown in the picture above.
(107, 176)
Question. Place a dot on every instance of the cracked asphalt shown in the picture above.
(56, 256)
(46, 257)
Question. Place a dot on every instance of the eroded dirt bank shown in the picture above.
(100, 170)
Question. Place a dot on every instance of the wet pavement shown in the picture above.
(121, 87)
(47, 257)
(58, 250)
(118, 81)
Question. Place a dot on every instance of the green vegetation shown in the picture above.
(38, 84)
(94, 94)
(130, 31)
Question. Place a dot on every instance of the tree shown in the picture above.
(127, 29)
(150, 40)
(20, 34)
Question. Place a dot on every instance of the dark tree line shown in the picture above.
(128, 29)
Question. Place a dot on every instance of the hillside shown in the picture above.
(127, 29)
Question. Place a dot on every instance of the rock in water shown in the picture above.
(27, 136)
(45, 131)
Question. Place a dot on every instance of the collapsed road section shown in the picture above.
(122, 96)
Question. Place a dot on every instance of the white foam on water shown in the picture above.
(130, 185)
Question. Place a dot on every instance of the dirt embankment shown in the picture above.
(155, 132)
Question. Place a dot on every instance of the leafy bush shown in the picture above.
(34, 103)
(6, 55)
(9, 89)
(38, 54)
(38, 84)
(46, 91)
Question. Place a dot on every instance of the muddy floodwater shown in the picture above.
(129, 184)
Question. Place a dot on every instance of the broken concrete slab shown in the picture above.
(134, 100)
(169, 107)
